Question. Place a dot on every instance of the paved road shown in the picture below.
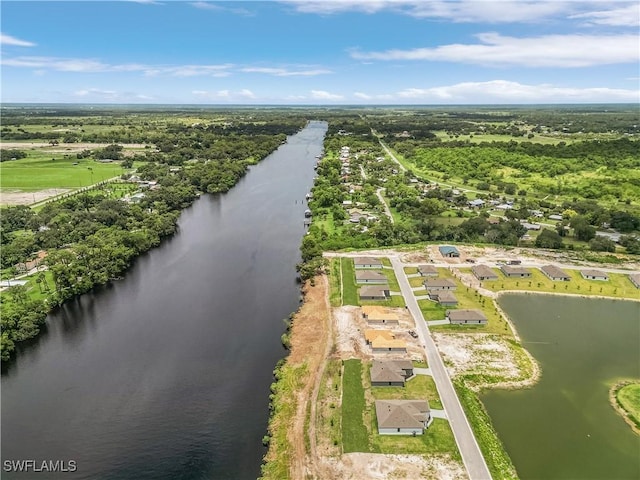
(467, 444)
(384, 204)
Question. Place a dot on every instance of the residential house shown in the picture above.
(449, 251)
(374, 292)
(403, 417)
(515, 272)
(390, 373)
(594, 275)
(635, 279)
(555, 273)
(555, 217)
(24, 267)
(464, 317)
(433, 284)
(367, 262)
(370, 276)
(376, 314)
(428, 271)
(477, 203)
(444, 298)
(384, 341)
(483, 272)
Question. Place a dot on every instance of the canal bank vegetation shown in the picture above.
(66, 247)
(625, 398)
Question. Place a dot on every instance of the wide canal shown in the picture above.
(165, 374)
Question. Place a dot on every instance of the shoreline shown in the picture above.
(613, 401)
(579, 295)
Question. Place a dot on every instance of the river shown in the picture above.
(165, 374)
(564, 427)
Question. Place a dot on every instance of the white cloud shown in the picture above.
(622, 16)
(489, 11)
(97, 92)
(283, 72)
(545, 51)
(362, 96)
(323, 95)
(220, 8)
(95, 66)
(16, 42)
(504, 91)
(225, 95)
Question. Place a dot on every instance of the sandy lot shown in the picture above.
(27, 198)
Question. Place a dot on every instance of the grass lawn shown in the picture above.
(468, 298)
(417, 282)
(350, 290)
(431, 310)
(410, 270)
(335, 282)
(355, 437)
(394, 301)
(38, 172)
(420, 386)
(629, 399)
(618, 284)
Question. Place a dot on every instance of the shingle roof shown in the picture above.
(370, 275)
(374, 290)
(427, 269)
(554, 272)
(483, 271)
(402, 413)
(593, 273)
(367, 261)
(439, 282)
(389, 370)
(461, 315)
(446, 249)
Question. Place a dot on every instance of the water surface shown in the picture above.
(564, 427)
(166, 374)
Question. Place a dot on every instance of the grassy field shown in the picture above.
(476, 138)
(618, 284)
(39, 171)
(350, 290)
(355, 437)
(335, 282)
(629, 399)
(410, 270)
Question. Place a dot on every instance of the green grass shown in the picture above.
(335, 282)
(350, 290)
(418, 282)
(468, 298)
(431, 310)
(629, 399)
(479, 138)
(328, 413)
(355, 437)
(618, 284)
(495, 455)
(38, 172)
(284, 409)
(420, 386)
(410, 270)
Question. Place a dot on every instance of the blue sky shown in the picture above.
(321, 52)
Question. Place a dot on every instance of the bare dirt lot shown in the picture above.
(349, 334)
(357, 466)
(27, 198)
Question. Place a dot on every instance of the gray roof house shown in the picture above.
(594, 275)
(367, 262)
(432, 284)
(555, 273)
(511, 271)
(428, 271)
(390, 373)
(374, 292)
(635, 279)
(483, 272)
(403, 417)
(369, 276)
(464, 317)
(444, 298)
(449, 251)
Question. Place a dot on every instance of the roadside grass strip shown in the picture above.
(350, 290)
(355, 437)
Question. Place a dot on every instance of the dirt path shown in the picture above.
(311, 333)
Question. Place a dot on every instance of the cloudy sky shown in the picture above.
(321, 52)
